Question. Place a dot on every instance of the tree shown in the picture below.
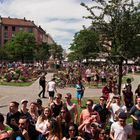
(21, 46)
(85, 45)
(56, 51)
(117, 22)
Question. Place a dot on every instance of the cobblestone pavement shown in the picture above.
(9, 93)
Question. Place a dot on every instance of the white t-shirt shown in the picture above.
(51, 86)
(114, 108)
(121, 133)
(88, 73)
(42, 125)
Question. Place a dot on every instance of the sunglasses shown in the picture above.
(71, 129)
(89, 104)
(63, 111)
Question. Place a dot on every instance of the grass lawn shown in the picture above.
(16, 84)
(96, 100)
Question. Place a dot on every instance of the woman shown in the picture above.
(80, 91)
(43, 122)
(103, 135)
(64, 120)
(5, 130)
(72, 134)
(137, 93)
(33, 110)
(56, 105)
(54, 131)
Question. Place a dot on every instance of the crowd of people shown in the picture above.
(64, 119)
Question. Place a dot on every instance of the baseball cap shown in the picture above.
(23, 101)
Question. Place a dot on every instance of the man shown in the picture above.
(51, 88)
(71, 107)
(102, 110)
(13, 115)
(135, 114)
(27, 130)
(42, 83)
(88, 112)
(120, 130)
(116, 108)
(88, 75)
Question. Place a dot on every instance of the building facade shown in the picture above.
(10, 26)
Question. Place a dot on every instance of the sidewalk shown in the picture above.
(8, 93)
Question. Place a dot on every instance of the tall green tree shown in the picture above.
(56, 50)
(118, 24)
(85, 44)
(21, 46)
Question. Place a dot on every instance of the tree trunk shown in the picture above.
(120, 76)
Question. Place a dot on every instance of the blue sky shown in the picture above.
(60, 18)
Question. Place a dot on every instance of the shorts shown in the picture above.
(88, 79)
(51, 93)
(78, 95)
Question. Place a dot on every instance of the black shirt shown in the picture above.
(103, 112)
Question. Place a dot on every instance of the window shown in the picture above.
(21, 28)
(13, 28)
(30, 30)
(5, 27)
(5, 34)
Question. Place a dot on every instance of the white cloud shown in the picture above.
(60, 18)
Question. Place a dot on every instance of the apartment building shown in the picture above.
(10, 26)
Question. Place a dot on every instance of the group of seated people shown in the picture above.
(60, 120)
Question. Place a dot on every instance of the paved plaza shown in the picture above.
(10, 93)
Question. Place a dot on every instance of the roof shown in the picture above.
(15, 21)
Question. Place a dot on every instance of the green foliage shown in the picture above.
(85, 45)
(21, 46)
(117, 22)
(57, 51)
(42, 52)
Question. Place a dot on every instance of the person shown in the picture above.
(54, 131)
(80, 91)
(72, 134)
(120, 130)
(42, 83)
(135, 114)
(89, 128)
(42, 123)
(128, 96)
(115, 108)
(137, 93)
(27, 130)
(103, 135)
(107, 89)
(33, 112)
(51, 88)
(102, 110)
(24, 109)
(56, 105)
(13, 115)
(64, 119)
(5, 130)
(71, 107)
(88, 112)
(88, 75)
(39, 106)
